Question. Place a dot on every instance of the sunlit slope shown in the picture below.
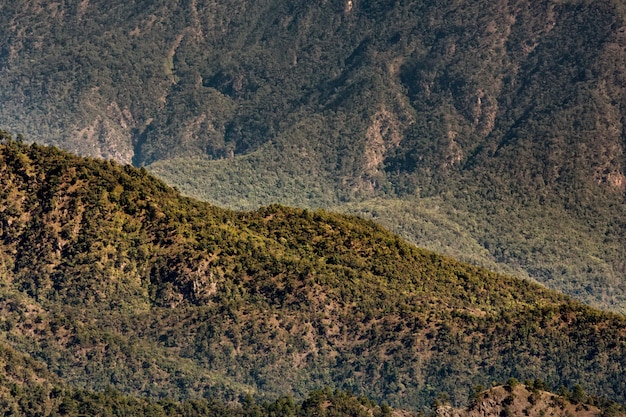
(114, 279)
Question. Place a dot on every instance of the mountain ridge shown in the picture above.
(112, 278)
(507, 115)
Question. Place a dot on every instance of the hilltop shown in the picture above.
(113, 279)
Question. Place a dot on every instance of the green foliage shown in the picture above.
(505, 115)
(113, 279)
(28, 389)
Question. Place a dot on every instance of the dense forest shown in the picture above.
(28, 389)
(114, 280)
(488, 131)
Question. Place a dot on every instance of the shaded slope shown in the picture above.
(28, 389)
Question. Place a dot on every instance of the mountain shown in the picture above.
(115, 280)
(488, 131)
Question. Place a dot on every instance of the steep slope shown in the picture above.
(114, 279)
(505, 115)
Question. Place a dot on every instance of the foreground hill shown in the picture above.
(28, 389)
(515, 399)
(115, 280)
(491, 131)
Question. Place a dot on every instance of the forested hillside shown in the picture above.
(28, 389)
(489, 131)
(113, 279)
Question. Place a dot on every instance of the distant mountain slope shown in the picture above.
(505, 115)
(114, 279)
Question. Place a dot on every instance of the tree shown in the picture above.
(578, 395)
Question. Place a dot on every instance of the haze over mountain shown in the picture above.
(489, 131)
(111, 279)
